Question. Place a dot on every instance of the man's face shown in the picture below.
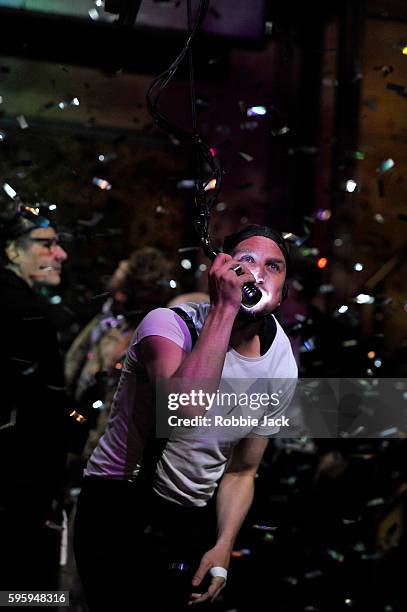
(266, 262)
(40, 261)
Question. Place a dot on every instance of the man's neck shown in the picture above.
(245, 338)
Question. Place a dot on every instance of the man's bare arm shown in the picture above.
(204, 364)
(234, 499)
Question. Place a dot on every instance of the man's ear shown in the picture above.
(12, 251)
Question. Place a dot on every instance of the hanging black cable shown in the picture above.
(207, 162)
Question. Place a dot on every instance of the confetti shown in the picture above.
(386, 165)
(101, 183)
(327, 288)
(280, 131)
(391, 431)
(291, 480)
(386, 70)
(291, 580)
(398, 89)
(358, 267)
(106, 157)
(210, 185)
(352, 521)
(67, 103)
(188, 248)
(221, 206)
(22, 122)
(336, 556)
(243, 552)
(2, 136)
(309, 251)
(308, 150)
(79, 418)
(364, 298)
(323, 214)
(309, 344)
(378, 218)
(327, 82)
(30, 370)
(186, 184)
(378, 501)
(255, 111)
(268, 537)
(268, 28)
(249, 125)
(294, 239)
(350, 186)
(9, 190)
(93, 14)
(371, 557)
(313, 574)
(246, 156)
(186, 264)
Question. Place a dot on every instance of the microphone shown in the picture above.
(251, 294)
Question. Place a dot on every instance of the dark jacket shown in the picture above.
(34, 417)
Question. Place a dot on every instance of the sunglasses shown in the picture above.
(49, 243)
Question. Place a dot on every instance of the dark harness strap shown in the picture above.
(189, 323)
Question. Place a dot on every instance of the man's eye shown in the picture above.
(247, 258)
(274, 266)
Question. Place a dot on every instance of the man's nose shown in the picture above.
(59, 253)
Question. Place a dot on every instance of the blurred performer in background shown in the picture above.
(34, 421)
(94, 361)
(147, 530)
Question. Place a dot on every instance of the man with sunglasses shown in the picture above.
(33, 408)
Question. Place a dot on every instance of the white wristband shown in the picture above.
(218, 571)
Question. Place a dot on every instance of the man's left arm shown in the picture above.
(234, 499)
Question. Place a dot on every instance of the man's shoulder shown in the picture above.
(282, 344)
(196, 312)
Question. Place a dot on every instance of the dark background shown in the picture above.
(335, 76)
